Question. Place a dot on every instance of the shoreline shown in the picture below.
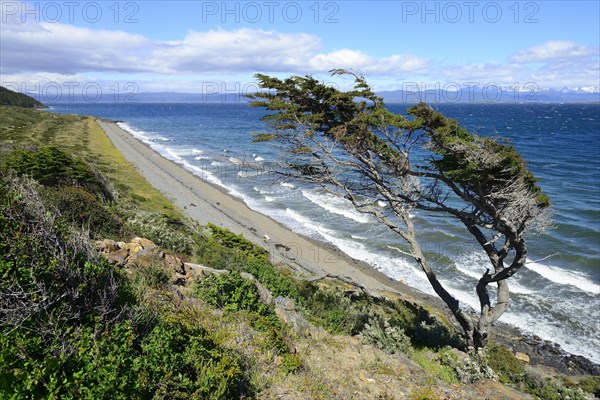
(205, 203)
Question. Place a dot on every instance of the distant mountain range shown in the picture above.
(489, 95)
(495, 94)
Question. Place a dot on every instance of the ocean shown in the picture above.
(556, 298)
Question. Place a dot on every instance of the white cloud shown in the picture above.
(238, 50)
(553, 50)
(67, 49)
(365, 64)
(54, 51)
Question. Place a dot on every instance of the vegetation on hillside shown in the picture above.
(11, 98)
(73, 325)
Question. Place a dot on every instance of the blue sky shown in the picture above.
(187, 45)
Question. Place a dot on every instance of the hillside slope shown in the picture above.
(11, 98)
(108, 292)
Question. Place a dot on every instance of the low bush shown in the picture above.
(435, 365)
(475, 367)
(233, 293)
(323, 305)
(591, 384)
(504, 363)
(390, 339)
(167, 232)
(81, 209)
(70, 326)
(224, 250)
(230, 292)
(119, 362)
(52, 167)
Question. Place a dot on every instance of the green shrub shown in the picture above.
(68, 331)
(432, 333)
(81, 209)
(171, 361)
(233, 293)
(504, 363)
(224, 250)
(551, 389)
(382, 335)
(291, 363)
(44, 266)
(333, 310)
(474, 367)
(167, 232)
(184, 362)
(591, 384)
(52, 167)
(435, 365)
(153, 275)
(230, 292)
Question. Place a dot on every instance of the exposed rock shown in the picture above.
(285, 309)
(106, 246)
(200, 270)
(132, 248)
(522, 356)
(118, 257)
(265, 295)
(145, 257)
(175, 263)
(145, 243)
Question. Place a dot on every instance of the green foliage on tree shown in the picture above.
(349, 143)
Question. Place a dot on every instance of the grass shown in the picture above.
(83, 137)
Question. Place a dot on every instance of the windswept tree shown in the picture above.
(352, 146)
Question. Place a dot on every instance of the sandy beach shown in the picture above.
(208, 203)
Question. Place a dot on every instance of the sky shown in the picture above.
(201, 46)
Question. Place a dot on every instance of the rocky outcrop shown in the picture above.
(140, 252)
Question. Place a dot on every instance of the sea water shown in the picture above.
(556, 298)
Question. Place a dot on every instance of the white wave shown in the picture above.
(518, 288)
(382, 203)
(269, 199)
(336, 205)
(297, 217)
(138, 134)
(250, 174)
(564, 277)
(468, 272)
(259, 159)
(235, 160)
(287, 185)
(468, 265)
(199, 158)
(172, 154)
(197, 151)
(216, 164)
(395, 267)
